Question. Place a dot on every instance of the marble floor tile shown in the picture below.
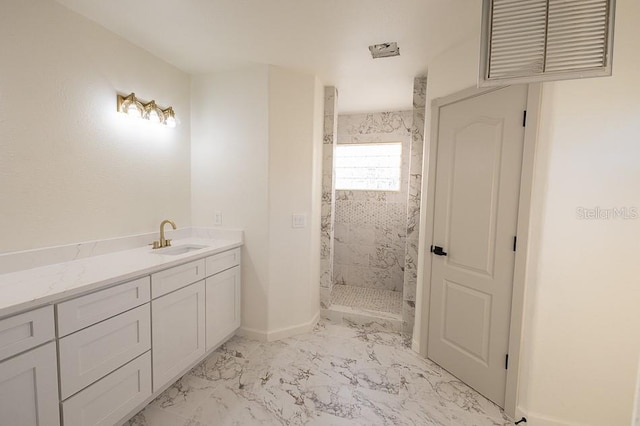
(152, 416)
(338, 374)
(462, 417)
(328, 328)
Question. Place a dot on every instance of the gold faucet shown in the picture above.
(163, 242)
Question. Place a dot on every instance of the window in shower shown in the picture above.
(368, 167)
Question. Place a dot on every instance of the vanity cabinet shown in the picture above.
(178, 324)
(116, 348)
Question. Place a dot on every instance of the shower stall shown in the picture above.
(372, 178)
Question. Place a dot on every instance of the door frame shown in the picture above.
(534, 97)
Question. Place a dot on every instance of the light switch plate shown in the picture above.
(298, 220)
(217, 217)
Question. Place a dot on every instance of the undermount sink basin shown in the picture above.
(181, 249)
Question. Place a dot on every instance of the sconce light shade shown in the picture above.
(153, 113)
(169, 117)
(134, 110)
(131, 106)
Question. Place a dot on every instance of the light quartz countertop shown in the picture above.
(32, 288)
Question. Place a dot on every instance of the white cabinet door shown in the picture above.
(178, 337)
(29, 388)
(223, 305)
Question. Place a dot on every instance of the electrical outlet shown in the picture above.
(298, 220)
(217, 217)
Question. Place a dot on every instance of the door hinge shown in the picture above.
(506, 362)
(524, 119)
(515, 242)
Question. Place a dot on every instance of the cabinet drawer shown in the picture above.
(222, 261)
(25, 331)
(172, 279)
(92, 353)
(107, 401)
(84, 311)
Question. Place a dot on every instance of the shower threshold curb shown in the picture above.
(363, 317)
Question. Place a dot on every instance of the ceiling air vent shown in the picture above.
(384, 50)
(541, 40)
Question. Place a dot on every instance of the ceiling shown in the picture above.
(328, 38)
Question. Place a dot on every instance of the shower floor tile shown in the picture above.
(367, 298)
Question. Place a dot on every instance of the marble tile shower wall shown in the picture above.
(328, 196)
(413, 205)
(370, 226)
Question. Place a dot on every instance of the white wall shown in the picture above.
(229, 171)
(256, 147)
(294, 187)
(72, 168)
(583, 335)
(582, 322)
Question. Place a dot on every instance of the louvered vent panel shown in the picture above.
(517, 37)
(539, 40)
(577, 35)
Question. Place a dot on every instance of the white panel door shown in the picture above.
(223, 305)
(480, 144)
(178, 332)
(29, 388)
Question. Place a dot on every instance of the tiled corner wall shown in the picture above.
(371, 226)
(413, 204)
(328, 196)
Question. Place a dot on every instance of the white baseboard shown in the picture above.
(283, 333)
(253, 334)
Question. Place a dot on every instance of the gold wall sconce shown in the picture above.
(133, 107)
